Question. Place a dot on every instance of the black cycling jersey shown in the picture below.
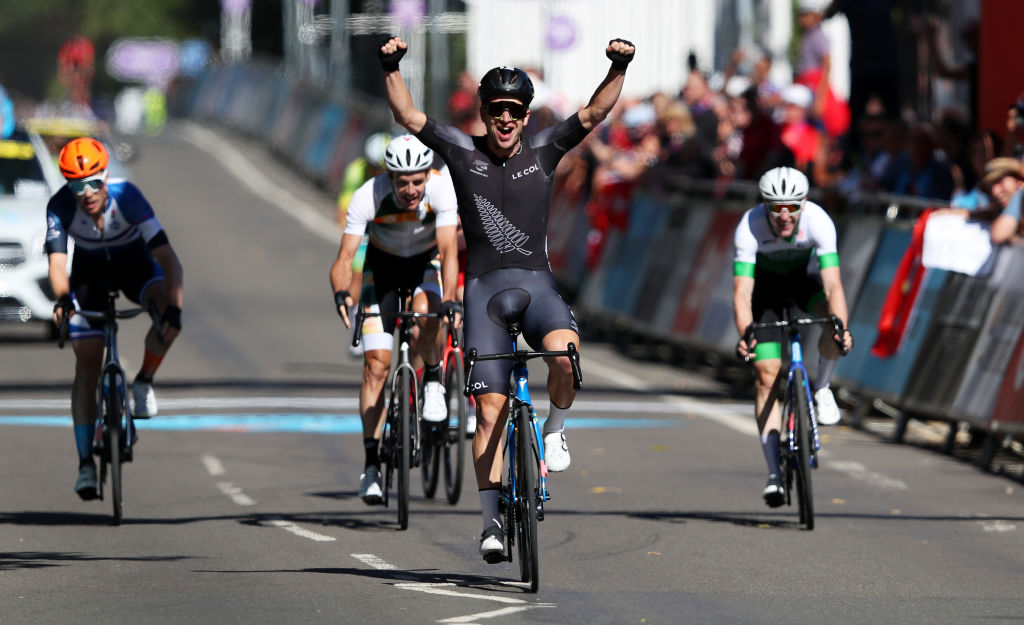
(504, 204)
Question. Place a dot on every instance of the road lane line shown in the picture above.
(469, 618)
(373, 561)
(444, 588)
(213, 465)
(288, 526)
(235, 493)
(856, 470)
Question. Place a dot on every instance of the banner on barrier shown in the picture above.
(646, 218)
(696, 221)
(990, 359)
(1009, 408)
(714, 254)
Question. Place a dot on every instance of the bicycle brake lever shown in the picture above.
(357, 335)
(574, 360)
(451, 328)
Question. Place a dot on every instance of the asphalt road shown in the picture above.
(241, 503)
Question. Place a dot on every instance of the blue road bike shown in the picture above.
(800, 422)
(524, 490)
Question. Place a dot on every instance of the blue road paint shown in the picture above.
(299, 422)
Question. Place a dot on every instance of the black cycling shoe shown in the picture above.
(492, 545)
(86, 485)
(774, 492)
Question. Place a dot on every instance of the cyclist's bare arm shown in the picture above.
(166, 257)
(448, 246)
(832, 283)
(399, 98)
(341, 271)
(59, 281)
(607, 93)
(742, 305)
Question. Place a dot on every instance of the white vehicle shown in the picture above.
(28, 177)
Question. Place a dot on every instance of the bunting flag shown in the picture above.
(902, 295)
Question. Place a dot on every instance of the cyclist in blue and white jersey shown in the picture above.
(119, 244)
(503, 181)
(410, 215)
(786, 251)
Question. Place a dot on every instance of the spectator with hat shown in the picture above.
(1004, 180)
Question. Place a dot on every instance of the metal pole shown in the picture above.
(438, 62)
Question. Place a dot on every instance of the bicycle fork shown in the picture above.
(797, 360)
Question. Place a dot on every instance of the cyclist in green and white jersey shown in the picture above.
(786, 252)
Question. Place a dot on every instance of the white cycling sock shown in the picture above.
(824, 374)
(556, 419)
(489, 507)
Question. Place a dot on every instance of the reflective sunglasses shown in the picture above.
(792, 209)
(93, 183)
(515, 110)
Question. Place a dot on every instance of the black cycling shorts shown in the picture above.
(546, 313)
(131, 270)
(772, 293)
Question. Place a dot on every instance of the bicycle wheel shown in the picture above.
(403, 445)
(526, 495)
(805, 497)
(113, 411)
(454, 440)
(431, 443)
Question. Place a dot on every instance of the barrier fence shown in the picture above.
(956, 355)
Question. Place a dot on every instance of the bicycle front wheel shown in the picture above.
(805, 496)
(113, 413)
(526, 496)
(403, 438)
(455, 437)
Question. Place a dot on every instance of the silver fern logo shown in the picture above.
(504, 236)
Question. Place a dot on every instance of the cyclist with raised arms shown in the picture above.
(119, 244)
(786, 252)
(410, 215)
(503, 182)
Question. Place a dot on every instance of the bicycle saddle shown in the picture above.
(507, 307)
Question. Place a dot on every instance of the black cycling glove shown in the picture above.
(65, 304)
(339, 301)
(390, 61)
(619, 60)
(448, 306)
(172, 316)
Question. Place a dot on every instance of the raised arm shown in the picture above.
(399, 98)
(621, 53)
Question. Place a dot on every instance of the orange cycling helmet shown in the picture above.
(82, 157)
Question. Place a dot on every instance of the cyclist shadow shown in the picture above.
(740, 519)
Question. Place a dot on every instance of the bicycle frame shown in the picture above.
(796, 362)
(519, 397)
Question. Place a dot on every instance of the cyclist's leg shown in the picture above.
(87, 340)
(142, 280)
(826, 409)
(428, 344)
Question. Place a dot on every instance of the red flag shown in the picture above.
(902, 295)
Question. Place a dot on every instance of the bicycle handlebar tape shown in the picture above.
(390, 61)
(619, 60)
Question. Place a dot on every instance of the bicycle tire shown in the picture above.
(403, 449)
(113, 411)
(454, 441)
(526, 495)
(805, 496)
(387, 450)
(431, 442)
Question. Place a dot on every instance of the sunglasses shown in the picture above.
(515, 110)
(80, 187)
(777, 209)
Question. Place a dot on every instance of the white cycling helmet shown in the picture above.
(375, 147)
(407, 154)
(783, 185)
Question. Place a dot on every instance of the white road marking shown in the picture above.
(997, 526)
(470, 618)
(858, 471)
(445, 588)
(207, 403)
(213, 465)
(235, 493)
(373, 561)
(235, 162)
(288, 526)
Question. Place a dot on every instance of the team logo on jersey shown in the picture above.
(502, 233)
(480, 168)
(526, 172)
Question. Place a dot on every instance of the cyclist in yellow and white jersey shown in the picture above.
(410, 215)
(786, 252)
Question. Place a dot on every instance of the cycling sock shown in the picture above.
(556, 419)
(432, 373)
(150, 363)
(370, 446)
(489, 507)
(83, 440)
(824, 374)
(770, 445)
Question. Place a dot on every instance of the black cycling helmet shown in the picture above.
(506, 82)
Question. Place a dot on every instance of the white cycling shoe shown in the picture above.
(556, 452)
(144, 404)
(825, 404)
(492, 545)
(369, 487)
(435, 408)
